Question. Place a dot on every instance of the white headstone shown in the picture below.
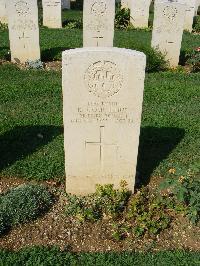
(125, 3)
(23, 30)
(139, 13)
(168, 29)
(189, 15)
(98, 23)
(197, 6)
(3, 12)
(65, 4)
(103, 94)
(52, 17)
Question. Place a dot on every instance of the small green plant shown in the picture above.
(73, 24)
(155, 60)
(184, 187)
(23, 203)
(37, 64)
(196, 25)
(120, 230)
(148, 213)
(122, 18)
(194, 59)
(106, 202)
(3, 26)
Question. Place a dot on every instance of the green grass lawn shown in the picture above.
(31, 106)
(44, 256)
(31, 109)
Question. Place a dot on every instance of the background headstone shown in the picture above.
(52, 17)
(197, 6)
(23, 30)
(168, 29)
(102, 114)
(139, 16)
(65, 4)
(125, 3)
(98, 23)
(189, 14)
(3, 12)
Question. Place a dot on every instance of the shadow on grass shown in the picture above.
(53, 53)
(24, 140)
(183, 58)
(4, 53)
(155, 146)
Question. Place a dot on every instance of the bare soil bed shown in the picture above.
(54, 228)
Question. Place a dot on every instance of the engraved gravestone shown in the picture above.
(98, 23)
(3, 12)
(168, 29)
(102, 114)
(65, 4)
(125, 4)
(189, 14)
(139, 15)
(52, 17)
(23, 30)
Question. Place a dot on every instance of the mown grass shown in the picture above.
(52, 256)
(31, 139)
(31, 109)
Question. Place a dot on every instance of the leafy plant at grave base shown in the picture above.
(196, 25)
(122, 18)
(73, 24)
(194, 59)
(120, 230)
(140, 214)
(23, 203)
(106, 202)
(37, 64)
(184, 187)
(3, 26)
(147, 214)
(155, 60)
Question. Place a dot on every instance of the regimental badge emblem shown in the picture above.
(22, 8)
(103, 79)
(98, 8)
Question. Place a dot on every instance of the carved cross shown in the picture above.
(24, 38)
(98, 38)
(102, 144)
